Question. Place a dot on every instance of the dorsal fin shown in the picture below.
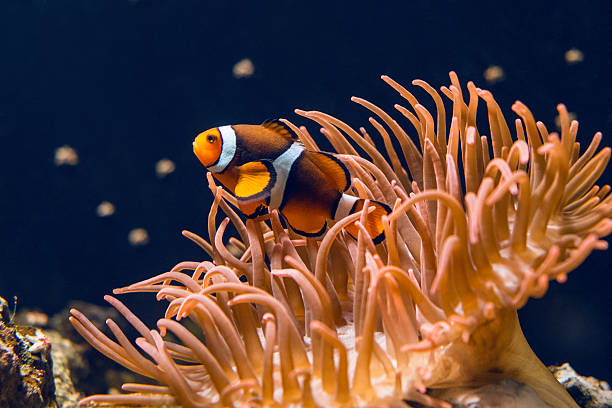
(280, 128)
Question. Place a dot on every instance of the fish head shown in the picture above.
(208, 146)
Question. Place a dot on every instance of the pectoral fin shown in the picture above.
(254, 182)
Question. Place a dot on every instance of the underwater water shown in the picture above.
(127, 83)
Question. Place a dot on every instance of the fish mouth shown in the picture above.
(196, 148)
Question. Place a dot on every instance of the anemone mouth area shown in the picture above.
(479, 224)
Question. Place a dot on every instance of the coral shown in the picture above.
(479, 225)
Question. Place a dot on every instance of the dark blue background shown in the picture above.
(129, 82)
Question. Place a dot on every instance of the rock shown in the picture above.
(96, 314)
(588, 392)
(26, 370)
(66, 360)
(66, 356)
(90, 371)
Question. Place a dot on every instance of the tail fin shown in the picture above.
(374, 224)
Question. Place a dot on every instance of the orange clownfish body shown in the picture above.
(266, 166)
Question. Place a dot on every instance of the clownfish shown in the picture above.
(267, 166)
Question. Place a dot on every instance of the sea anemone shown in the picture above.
(479, 225)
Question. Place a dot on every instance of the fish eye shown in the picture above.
(211, 139)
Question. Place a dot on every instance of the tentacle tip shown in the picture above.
(489, 311)
(268, 317)
(425, 373)
(516, 106)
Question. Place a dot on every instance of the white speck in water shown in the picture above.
(243, 68)
(494, 74)
(164, 167)
(105, 209)
(66, 156)
(573, 56)
(138, 237)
